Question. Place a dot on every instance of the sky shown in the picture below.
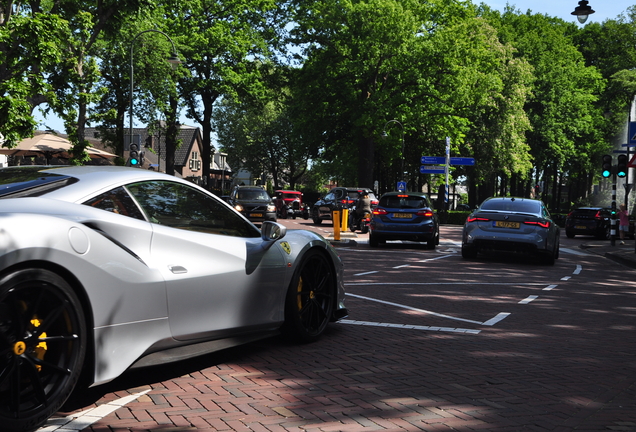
(603, 10)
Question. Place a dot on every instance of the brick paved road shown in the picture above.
(565, 363)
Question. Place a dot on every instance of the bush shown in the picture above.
(453, 217)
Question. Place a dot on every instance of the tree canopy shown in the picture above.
(354, 90)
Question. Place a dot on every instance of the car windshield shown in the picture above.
(509, 205)
(403, 201)
(30, 182)
(252, 195)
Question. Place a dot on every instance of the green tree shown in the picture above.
(433, 66)
(263, 138)
(562, 108)
(31, 43)
(223, 43)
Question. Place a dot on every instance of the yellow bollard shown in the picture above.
(336, 224)
(345, 220)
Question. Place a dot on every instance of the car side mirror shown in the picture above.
(271, 231)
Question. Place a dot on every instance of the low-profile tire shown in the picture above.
(373, 240)
(316, 219)
(469, 252)
(606, 234)
(434, 241)
(549, 258)
(310, 298)
(43, 341)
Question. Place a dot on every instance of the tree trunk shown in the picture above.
(365, 162)
(172, 130)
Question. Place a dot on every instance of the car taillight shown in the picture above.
(379, 211)
(425, 213)
(542, 224)
(598, 215)
(476, 219)
(375, 202)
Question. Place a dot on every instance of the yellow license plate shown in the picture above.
(402, 215)
(506, 224)
(581, 227)
(256, 214)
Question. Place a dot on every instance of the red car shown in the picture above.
(290, 203)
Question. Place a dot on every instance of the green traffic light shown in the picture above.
(134, 161)
(607, 166)
(621, 166)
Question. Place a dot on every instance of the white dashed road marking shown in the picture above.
(81, 420)
(528, 299)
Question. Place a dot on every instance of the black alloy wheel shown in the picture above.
(310, 299)
(42, 347)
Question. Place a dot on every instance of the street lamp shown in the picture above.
(582, 11)
(384, 135)
(173, 60)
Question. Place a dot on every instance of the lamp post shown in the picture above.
(173, 60)
(384, 134)
(582, 11)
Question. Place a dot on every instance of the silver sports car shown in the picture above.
(512, 225)
(107, 268)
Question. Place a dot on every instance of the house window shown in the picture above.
(195, 162)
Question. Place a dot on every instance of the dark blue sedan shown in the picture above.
(404, 216)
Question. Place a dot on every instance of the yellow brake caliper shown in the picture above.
(40, 349)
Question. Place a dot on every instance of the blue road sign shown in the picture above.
(401, 186)
(632, 133)
(432, 160)
(462, 161)
(426, 169)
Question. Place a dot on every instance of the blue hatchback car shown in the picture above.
(404, 216)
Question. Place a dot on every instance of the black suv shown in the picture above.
(338, 198)
(253, 202)
(591, 221)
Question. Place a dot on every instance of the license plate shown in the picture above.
(580, 227)
(402, 215)
(505, 224)
(256, 214)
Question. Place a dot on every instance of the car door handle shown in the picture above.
(177, 269)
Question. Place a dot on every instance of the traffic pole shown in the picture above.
(613, 223)
(446, 169)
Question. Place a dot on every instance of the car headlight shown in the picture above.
(238, 207)
(271, 208)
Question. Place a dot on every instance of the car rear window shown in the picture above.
(521, 206)
(588, 212)
(253, 194)
(30, 181)
(404, 201)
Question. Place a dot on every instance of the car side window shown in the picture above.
(180, 206)
(546, 213)
(116, 201)
(330, 197)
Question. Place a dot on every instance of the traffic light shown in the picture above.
(142, 158)
(607, 166)
(621, 165)
(133, 156)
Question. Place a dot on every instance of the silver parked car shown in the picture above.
(107, 268)
(511, 225)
